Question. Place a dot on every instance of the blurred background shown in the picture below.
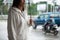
(45, 9)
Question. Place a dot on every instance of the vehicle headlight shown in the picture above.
(55, 26)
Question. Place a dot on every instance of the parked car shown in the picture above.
(42, 18)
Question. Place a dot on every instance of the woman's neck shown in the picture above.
(20, 8)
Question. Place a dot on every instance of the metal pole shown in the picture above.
(54, 5)
(47, 7)
(30, 13)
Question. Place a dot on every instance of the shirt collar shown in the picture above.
(17, 9)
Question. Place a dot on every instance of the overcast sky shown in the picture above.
(49, 1)
(43, 7)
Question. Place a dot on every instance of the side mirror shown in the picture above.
(38, 17)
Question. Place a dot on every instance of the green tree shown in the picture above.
(1, 2)
(3, 8)
(32, 9)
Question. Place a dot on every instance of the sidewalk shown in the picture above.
(3, 17)
(3, 30)
(37, 34)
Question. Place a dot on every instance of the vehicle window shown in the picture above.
(41, 16)
(46, 16)
(55, 15)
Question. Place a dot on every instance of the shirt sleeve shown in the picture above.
(14, 24)
(9, 26)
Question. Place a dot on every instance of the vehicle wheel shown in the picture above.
(45, 33)
(56, 32)
(33, 25)
(43, 29)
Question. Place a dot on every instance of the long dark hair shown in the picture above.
(16, 3)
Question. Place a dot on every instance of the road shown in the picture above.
(37, 34)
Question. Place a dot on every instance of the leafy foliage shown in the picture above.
(32, 9)
(1, 2)
(3, 8)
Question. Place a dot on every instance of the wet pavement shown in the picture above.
(38, 34)
(3, 30)
(33, 34)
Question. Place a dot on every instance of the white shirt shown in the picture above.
(17, 25)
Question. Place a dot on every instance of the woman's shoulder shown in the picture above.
(12, 11)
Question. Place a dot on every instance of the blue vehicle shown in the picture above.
(42, 18)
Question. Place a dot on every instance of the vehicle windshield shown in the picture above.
(55, 15)
(43, 16)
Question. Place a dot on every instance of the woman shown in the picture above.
(17, 25)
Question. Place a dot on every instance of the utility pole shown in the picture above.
(54, 2)
(30, 21)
